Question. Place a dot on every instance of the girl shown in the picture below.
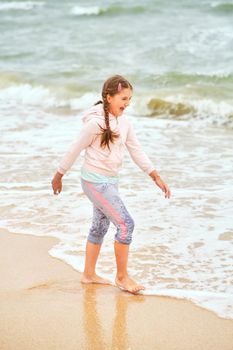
(105, 134)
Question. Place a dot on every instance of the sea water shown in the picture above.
(178, 55)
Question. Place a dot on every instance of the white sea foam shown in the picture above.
(26, 94)
(86, 11)
(20, 5)
(220, 303)
(29, 95)
(217, 113)
(84, 102)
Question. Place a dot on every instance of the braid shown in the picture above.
(107, 134)
(106, 113)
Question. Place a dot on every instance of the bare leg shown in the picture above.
(123, 280)
(89, 275)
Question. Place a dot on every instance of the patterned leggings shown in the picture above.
(107, 207)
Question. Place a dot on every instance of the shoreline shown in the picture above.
(44, 306)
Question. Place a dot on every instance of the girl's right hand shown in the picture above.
(57, 183)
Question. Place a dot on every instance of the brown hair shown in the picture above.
(112, 86)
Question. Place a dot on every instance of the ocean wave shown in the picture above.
(27, 94)
(179, 78)
(204, 110)
(20, 5)
(226, 7)
(186, 105)
(110, 10)
(160, 107)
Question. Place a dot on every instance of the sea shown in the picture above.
(178, 55)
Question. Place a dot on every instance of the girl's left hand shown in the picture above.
(164, 187)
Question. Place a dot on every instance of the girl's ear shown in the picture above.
(109, 98)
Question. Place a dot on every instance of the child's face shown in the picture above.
(119, 102)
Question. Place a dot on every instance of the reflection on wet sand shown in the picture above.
(95, 319)
(92, 325)
(120, 335)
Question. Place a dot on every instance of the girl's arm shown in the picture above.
(85, 138)
(142, 160)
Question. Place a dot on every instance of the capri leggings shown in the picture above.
(107, 207)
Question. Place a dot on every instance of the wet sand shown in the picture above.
(44, 306)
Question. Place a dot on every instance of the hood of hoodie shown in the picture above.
(96, 111)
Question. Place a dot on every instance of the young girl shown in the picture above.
(104, 136)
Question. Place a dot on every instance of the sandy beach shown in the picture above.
(43, 305)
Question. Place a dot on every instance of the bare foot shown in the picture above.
(129, 285)
(94, 279)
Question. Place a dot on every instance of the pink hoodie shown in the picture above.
(102, 160)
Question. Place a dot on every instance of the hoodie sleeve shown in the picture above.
(85, 138)
(137, 154)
